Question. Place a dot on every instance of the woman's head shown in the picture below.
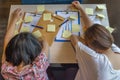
(23, 47)
(98, 38)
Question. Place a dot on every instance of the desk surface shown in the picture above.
(61, 52)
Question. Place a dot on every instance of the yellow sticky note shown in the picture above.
(66, 34)
(51, 27)
(110, 29)
(16, 32)
(19, 21)
(40, 8)
(73, 17)
(47, 16)
(100, 15)
(101, 7)
(89, 11)
(28, 19)
(37, 34)
(75, 28)
(25, 29)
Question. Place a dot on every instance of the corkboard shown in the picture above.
(50, 36)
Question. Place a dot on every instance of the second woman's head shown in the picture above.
(98, 38)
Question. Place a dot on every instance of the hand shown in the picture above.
(74, 40)
(77, 5)
(17, 14)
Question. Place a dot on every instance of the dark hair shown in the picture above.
(23, 47)
(98, 37)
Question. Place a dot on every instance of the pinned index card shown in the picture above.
(37, 34)
(16, 32)
(73, 17)
(66, 34)
(75, 28)
(40, 8)
(28, 19)
(25, 29)
(101, 7)
(110, 29)
(51, 28)
(47, 16)
(89, 11)
(100, 15)
(19, 21)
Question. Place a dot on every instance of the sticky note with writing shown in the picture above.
(51, 28)
(47, 16)
(100, 15)
(73, 17)
(16, 32)
(40, 8)
(101, 7)
(89, 11)
(19, 21)
(28, 19)
(110, 29)
(75, 28)
(37, 34)
(66, 34)
(25, 29)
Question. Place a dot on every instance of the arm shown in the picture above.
(85, 17)
(10, 29)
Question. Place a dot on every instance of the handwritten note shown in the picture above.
(40, 8)
(25, 29)
(16, 32)
(73, 17)
(101, 7)
(51, 28)
(47, 16)
(66, 34)
(100, 16)
(19, 21)
(89, 11)
(28, 19)
(75, 28)
(37, 34)
(110, 29)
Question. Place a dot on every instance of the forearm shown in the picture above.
(86, 20)
(8, 36)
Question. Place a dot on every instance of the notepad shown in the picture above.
(37, 34)
(16, 32)
(73, 17)
(28, 19)
(101, 7)
(51, 28)
(110, 29)
(66, 34)
(89, 11)
(40, 8)
(100, 15)
(25, 29)
(19, 21)
(47, 16)
(75, 28)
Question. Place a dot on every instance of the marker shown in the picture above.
(64, 22)
(37, 26)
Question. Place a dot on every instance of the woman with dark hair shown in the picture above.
(24, 56)
(98, 44)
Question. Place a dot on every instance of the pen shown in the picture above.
(37, 26)
(64, 22)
